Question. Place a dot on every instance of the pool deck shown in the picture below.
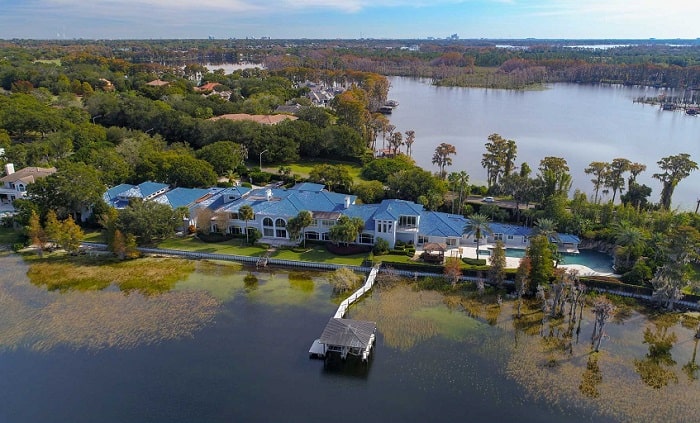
(514, 262)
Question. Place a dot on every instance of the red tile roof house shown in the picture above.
(14, 184)
(207, 87)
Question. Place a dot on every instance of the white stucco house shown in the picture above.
(15, 183)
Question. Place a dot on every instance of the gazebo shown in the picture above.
(434, 252)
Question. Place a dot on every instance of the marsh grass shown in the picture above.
(147, 275)
(32, 317)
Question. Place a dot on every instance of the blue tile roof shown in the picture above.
(288, 203)
(506, 229)
(308, 186)
(110, 196)
(392, 209)
(181, 197)
(441, 224)
(365, 212)
(149, 188)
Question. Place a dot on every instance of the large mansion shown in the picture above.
(392, 220)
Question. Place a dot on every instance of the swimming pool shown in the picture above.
(600, 262)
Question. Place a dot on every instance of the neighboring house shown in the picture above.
(263, 119)
(158, 83)
(14, 184)
(119, 196)
(208, 87)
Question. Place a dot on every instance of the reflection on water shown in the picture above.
(234, 343)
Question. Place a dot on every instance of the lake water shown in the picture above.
(218, 349)
(581, 123)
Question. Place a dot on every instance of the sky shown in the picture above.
(349, 19)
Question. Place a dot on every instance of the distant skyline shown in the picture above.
(349, 19)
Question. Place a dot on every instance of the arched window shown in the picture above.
(268, 227)
(280, 223)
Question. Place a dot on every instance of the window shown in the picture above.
(233, 216)
(281, 233)
(366, 238)
(385, 226)
(451, 242)
(498, 237)
(510, 237)
(525, 239)
(407, 221)
(235, 230)
(312, 235)
(422, 239)
(267, 222)
(280, 223)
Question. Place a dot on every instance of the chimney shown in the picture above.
(347, 201)
(268, 194)
(9, 169)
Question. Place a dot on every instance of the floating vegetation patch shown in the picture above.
(298, 289)
(147, 276)
(97, 320)
(406, 316)
(302, 281)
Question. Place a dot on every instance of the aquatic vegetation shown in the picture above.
(147, 276)
(407, 316)
(37, 319)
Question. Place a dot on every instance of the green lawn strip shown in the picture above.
(9, 236)
(303, 168)
(234, 247)
(318, 254)
(95, 236)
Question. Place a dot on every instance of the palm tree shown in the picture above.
(548, 228)
(410, 138)
(246, 213)
(459, 181)
(442, 158)
(630, 238)
(478, 225)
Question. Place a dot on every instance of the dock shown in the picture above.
(347, 336)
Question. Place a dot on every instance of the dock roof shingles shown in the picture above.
(348, 333)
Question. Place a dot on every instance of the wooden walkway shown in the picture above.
(343, 308)
(346, 336)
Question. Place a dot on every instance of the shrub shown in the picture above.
(474, 262)
(381, 246)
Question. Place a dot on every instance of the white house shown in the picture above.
(14, 184)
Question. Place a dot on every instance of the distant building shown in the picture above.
(158, 83)
(14, 184)
(264, 119)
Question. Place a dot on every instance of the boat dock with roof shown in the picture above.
(347, 336)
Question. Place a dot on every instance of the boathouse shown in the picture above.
(347, 336)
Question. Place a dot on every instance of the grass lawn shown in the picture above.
(9, 236)
(235, 246)
(314, 253)
(303, 168)
(95, 236)
(318, 253)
